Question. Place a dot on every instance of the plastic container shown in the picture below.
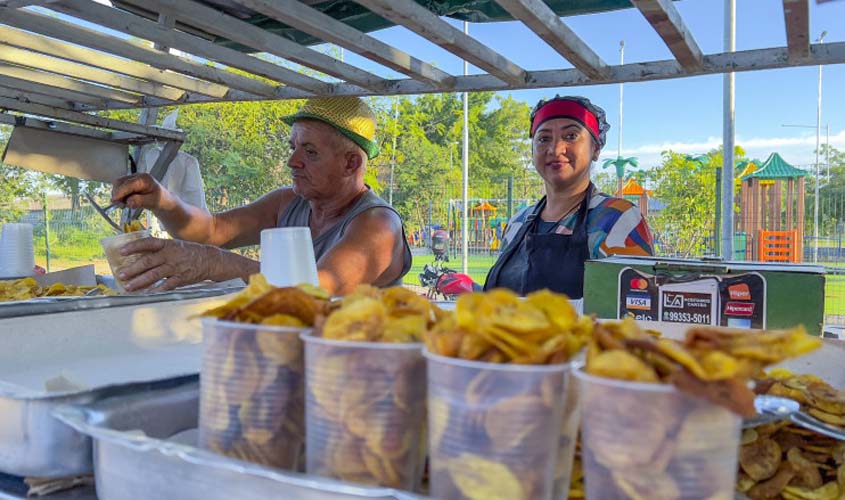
(287, 256)
(365, 411)
(112, 245)
(17, 257)
(643, 440)
(499, 430)
(252, 403)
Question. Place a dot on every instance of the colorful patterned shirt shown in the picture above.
(615, 226)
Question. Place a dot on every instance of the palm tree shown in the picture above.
(620, 162)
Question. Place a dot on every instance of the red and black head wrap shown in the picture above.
(577, 108)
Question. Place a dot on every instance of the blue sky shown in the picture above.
(682, 114)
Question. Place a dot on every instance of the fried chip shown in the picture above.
(621, 365)
(480, 479)
(761, 459)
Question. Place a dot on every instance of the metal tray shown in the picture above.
(131, 456)
(94, 353)
(51, 305)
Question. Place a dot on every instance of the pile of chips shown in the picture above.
(714, 363)
(28, 288)
(367, 403)
(371, 314)
(500, 327)
(252, 405)
(782, 460)
(133, 226)
(501, 415)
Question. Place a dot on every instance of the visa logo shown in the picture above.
(638, 302)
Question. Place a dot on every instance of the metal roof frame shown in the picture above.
(55, 69)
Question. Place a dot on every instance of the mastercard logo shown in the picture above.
(638, 284)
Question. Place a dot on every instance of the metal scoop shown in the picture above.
(773, 408)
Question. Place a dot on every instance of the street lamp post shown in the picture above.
(465, 176)
(393, 151)
(818, 145)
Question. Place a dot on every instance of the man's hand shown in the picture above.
(139, 191)
(177, 262)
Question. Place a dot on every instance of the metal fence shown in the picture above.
(67, 236)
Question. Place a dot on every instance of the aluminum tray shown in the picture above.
(133, 460)
(95, 353)
(50, 305)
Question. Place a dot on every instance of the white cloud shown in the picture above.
(800, 151)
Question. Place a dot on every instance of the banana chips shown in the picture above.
(252, 404)
(366, 391)
(782, 460)
(644, 438)
(502, 422)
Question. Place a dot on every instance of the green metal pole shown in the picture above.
(716, 232)
(46, 228)
(510, 196)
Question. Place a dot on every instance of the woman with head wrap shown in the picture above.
(545, 246)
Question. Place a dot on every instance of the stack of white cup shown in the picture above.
(17, 257)
(287, 256)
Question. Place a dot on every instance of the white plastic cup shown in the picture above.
(112, 245)
(17, 255)
(654, 441)
(252, 404)
(287, 256)
(519, 419)
(365, 411)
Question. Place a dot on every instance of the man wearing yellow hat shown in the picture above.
(358, 238)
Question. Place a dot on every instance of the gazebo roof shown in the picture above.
(775, 168)
(631, 188)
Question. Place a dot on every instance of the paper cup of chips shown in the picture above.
(252, 392)
(112, 245)
(365, 411)
(498, 430)
(647, 440)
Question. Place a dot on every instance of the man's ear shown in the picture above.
(353, 161)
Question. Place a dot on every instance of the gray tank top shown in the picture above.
(298, 213)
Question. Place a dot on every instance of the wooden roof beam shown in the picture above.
(543, 21)
(426, 24)
(80, 35)
(92, 120)
(67, 128)
(25, 96)
(44, 45)
(61, 67)
(667, 21)
(796, 14)
(315, 23)
(66, 88)
(137, 26)
(214, 21)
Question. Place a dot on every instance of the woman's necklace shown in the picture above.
(566, 213)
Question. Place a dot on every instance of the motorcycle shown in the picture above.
(443, 282)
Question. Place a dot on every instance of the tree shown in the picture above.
(683, 225)
(687, 185)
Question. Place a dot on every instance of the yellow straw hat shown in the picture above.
(351, 116)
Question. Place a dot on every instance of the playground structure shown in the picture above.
(772, 223)
(636, 194)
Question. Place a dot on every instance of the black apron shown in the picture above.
(555, 261)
